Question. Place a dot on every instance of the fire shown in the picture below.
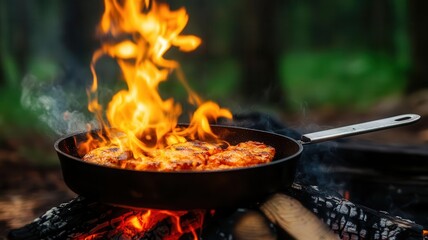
(143, 31)
(146, 223)
(138, 119)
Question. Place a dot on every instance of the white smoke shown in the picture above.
(54, 106)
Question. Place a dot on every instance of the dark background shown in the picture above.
(311, 64)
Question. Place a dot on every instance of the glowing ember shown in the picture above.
(146, 31)
(143, 224)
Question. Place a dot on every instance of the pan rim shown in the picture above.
(187, 172)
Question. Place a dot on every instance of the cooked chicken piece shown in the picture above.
(242, 155)
(107, 156)
(115, 157)
(185, 156)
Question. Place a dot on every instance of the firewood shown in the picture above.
(253, 226)
(353, 221)
(294, 218)
(348, 220)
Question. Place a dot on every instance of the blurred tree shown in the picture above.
(419, 41)
(80, 21)
(259, 52)
(14, 41)
(378, 21)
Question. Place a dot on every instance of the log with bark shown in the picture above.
(305, 212)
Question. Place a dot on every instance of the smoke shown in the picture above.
(58, 109)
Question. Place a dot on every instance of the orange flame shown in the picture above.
(147, 30)
(134, 225)
(138, 119)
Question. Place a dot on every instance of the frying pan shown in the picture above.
(184, 190)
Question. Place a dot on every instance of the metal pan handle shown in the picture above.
(359, 128)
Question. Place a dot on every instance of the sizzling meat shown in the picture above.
(191, 155)
(186, 156)
(108, 156)
(242, 155)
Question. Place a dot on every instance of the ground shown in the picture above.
(27, 190)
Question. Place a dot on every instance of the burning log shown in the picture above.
(83, 218)
(77, 215)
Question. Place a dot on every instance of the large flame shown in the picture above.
(143, 31)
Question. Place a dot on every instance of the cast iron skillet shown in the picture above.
(201, 189)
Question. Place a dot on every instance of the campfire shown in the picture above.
(139, 120)
(309, 212)
(301, 210)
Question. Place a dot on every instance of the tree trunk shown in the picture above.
(418, 39)
(259, 52)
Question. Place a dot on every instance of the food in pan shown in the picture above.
(191, 155)
(244, 154)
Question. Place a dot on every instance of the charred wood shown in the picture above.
(77, 215)
(353, 221)
(81, 217)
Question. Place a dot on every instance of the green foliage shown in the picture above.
(222, 79)
(12, 114)
(340, 78)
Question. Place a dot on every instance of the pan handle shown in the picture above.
(359, 128)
